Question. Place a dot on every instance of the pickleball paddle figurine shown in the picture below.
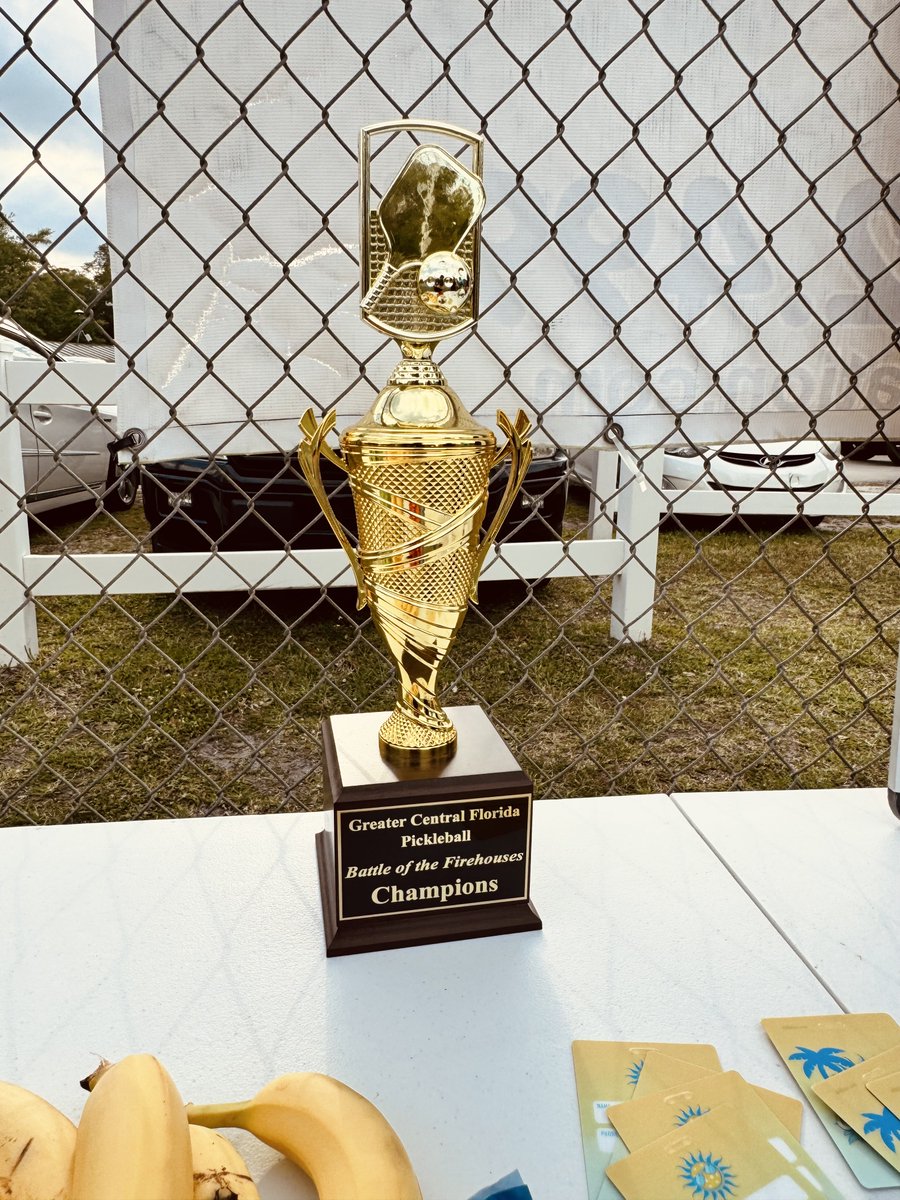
(428, 210)
(418, 463)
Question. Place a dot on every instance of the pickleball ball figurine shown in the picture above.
(444, 281)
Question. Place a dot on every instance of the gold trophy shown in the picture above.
(418, 463)
(428, 843)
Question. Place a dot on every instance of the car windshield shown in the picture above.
(10, 348)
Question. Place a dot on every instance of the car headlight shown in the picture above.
(687, 451)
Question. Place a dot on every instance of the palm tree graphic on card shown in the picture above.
(827, 1060)
(885, 1123)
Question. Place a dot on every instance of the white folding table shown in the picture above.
(667, 919)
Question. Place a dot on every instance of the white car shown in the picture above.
(66, 448)
(802, 468)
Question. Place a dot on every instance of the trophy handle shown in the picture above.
(312, 446)
(520, 452)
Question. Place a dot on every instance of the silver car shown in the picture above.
(67, 450)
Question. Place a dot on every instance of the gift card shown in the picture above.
(607, 1073)
(661, 1072)
(814, 1049)
(886, 1088)
(720, 1155)
(641, 1121)
(849, 1095)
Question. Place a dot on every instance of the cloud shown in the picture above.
(63, 38)
(31, 97)
(75, 163)
(71, 158)
(38, 200)
(68, 258)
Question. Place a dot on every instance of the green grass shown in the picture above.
(771, 665)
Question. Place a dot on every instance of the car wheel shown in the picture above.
(124, 489)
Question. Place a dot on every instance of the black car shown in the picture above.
(263, 502)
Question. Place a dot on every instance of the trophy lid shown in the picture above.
(417, 405)
(427, 415)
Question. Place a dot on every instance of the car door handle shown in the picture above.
(42, 414)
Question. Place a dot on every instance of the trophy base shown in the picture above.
(420, 929)
(423, 853)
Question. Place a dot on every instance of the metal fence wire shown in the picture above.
(690, 281)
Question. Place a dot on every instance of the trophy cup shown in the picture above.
(432, 815)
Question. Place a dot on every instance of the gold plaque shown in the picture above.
(418, 463)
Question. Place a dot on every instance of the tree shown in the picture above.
(19, 259)
(45, 300)
(99, 271)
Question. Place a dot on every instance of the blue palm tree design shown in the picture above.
(633, 1073)
(827, 1060)
(885, 1123)
(688, 1114)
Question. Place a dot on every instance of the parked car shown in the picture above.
(68, 450)
(262, 501)
(801, 468)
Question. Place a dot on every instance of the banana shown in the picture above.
(36, 1147)
(219, 1171)
(335, 1135)
(133, 1141)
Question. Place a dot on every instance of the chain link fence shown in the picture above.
(690, 282)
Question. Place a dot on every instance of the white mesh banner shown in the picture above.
(647, 252)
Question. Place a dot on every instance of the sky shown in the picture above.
(32, 102)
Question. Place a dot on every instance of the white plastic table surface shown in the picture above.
(201, 941)
(825, 867)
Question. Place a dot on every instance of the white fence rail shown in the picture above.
(629, 558)
(624, 546)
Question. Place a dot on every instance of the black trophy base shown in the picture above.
(894, 802)
(423, 854)
(411, 929)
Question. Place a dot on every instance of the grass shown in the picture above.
(771, 665)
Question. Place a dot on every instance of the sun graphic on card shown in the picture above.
(688, 1114)
(633, 1073)
(707, 1178)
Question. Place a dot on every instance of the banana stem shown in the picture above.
(90, 1081)
(218, 1116)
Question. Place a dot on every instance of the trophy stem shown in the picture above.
(418, 732)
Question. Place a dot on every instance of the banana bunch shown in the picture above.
(136, 1140)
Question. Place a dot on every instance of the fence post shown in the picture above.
(18, 627)
(894, 764)
(637, 521)
(605, 482)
